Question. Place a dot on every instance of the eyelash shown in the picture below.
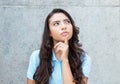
(67, 21)
(57, 23)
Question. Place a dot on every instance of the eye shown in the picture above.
(56, 24)
(67, 21)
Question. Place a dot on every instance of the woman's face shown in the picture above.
(60, 27)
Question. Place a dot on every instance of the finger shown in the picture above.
(66, 41)
(59, 48)
(56, 45)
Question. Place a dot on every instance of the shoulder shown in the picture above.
(35, 54)
(33, 64)
(86, 64)
(34, 58)
(85, 57)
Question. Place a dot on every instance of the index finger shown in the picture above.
(66, 41)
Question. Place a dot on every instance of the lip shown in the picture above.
(64, 33)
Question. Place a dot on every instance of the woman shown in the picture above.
(60, 60)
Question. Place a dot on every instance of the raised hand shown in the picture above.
(61, 48)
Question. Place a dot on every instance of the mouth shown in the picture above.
(64, 33)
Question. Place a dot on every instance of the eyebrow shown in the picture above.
(55, 21)
(59, 21)
(66, 19)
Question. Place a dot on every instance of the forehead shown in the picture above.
(58, 17)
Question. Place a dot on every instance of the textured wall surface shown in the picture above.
(21, 28)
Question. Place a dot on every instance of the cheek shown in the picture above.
(71, 30)
(54, 32)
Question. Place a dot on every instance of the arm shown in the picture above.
(33, 63)
(30, 81)
(66, 71)
(84, 80)
(86, 67)
(62, 48)
(67, 74)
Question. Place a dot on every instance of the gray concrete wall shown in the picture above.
(21, 27)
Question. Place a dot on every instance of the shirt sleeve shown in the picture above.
(33, 64)
(86, 65)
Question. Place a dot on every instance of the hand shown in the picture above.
(62, 49)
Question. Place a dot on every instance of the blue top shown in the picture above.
(56, 77)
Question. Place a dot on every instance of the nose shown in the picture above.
(63, 26)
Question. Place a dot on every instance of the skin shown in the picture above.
(61, 31)
(30, 81)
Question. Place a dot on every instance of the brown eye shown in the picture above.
(67, 21)
(56, 24)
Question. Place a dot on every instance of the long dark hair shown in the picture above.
(45, 68)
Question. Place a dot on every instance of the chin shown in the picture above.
(64, 39)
